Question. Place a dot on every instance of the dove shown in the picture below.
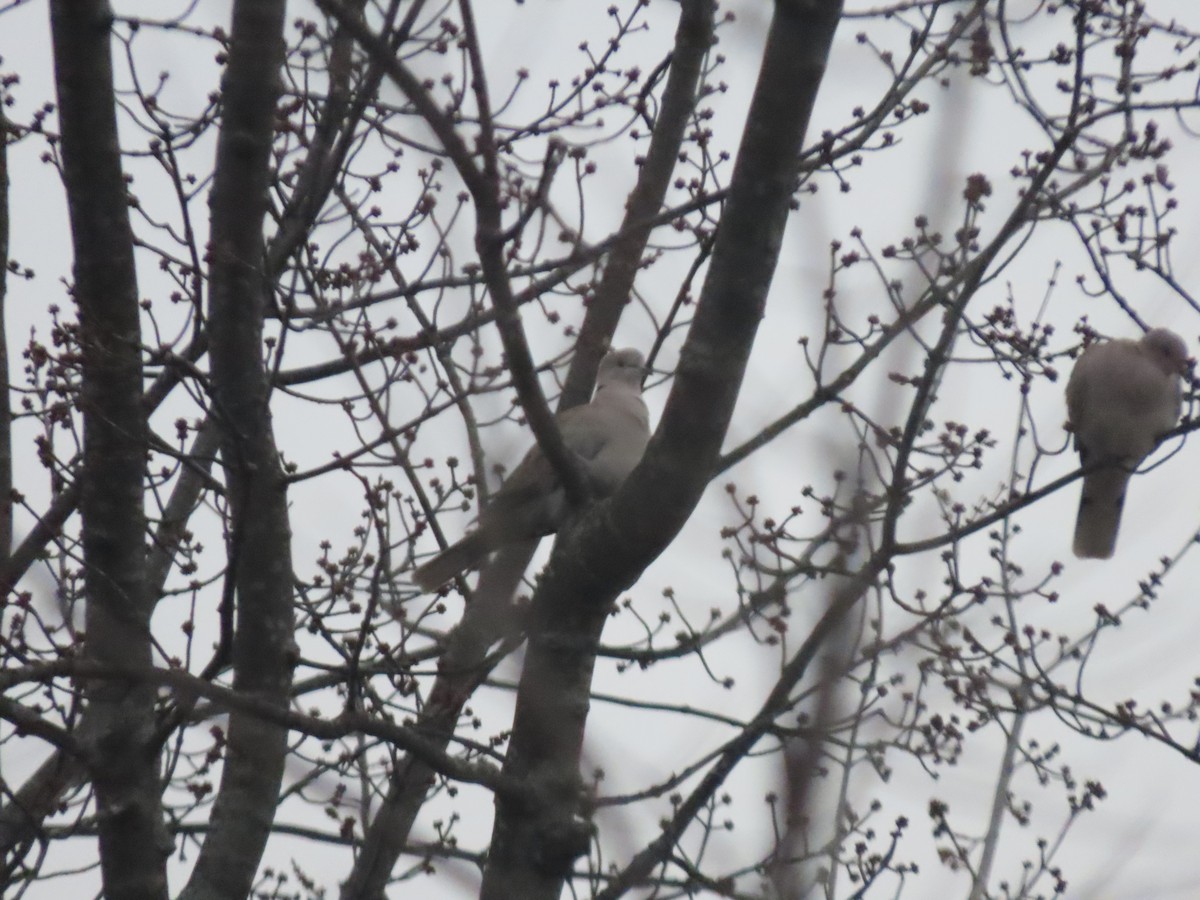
(608, 435)
(1122, 397)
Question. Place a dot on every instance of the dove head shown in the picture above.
(1167, 349)
(622, 367)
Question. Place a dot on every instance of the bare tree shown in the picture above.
(324, 268)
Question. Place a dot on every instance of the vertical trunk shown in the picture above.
(535, 843)
(6, 509)
(123, 759)
(260, 538)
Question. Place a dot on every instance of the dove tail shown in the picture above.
(1099, 518)
(451, 562)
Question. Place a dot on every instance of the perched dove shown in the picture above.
(1122, 397)
(608, 435)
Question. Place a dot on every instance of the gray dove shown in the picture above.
(608, 436)
(1122, 397)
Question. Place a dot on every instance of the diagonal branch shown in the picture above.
(490, 237)
(488, 618)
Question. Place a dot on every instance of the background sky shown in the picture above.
(1139, 843)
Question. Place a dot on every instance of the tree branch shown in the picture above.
(533, 844)
(122, 757)
(263, 646)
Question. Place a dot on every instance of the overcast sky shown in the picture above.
(1140, 843)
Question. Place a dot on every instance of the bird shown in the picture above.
(607, 435)
(1122, 397)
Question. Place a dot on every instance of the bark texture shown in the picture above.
(118, 727)
(535, 842)
(260, 538)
